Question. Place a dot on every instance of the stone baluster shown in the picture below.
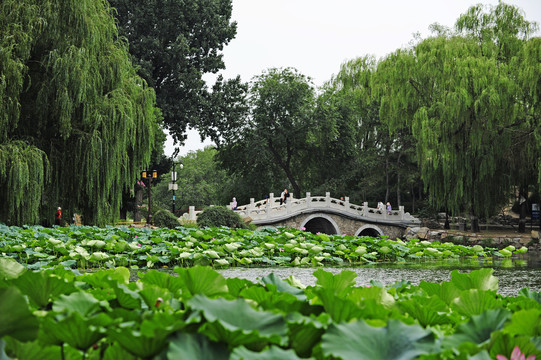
(270, 204)
(191, 213)
(346, 204)
(365, 208)
(328, 199)
(401, 212)
(250, 206)
(308, 200)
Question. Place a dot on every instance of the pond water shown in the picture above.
(513, 274)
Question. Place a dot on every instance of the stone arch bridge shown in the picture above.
(326, 215)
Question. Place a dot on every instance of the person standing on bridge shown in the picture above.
(284, 196)
(389, 208)
(234, 204)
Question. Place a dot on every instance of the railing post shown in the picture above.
(251, 206)
(308, 200)
(365, 208)
(269, 205)
(328, 199)
(191, 213)
(401, 212)
(346, 203)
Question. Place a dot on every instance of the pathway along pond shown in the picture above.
(513, 274)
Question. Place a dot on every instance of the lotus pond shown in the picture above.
(52, 308)
(82, 247)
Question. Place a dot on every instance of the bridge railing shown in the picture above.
(270, 208)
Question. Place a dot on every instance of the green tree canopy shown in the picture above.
(174, 43)
(76, 122)
(276, 134)
(458, 93)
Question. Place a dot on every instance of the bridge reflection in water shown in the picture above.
(326, 215)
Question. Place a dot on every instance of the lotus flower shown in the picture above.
(516, 355)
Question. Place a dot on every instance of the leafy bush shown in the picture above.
(165, 219)
(220, 216)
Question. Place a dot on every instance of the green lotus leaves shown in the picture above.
(479, 328)
(201, 280)
(339, 283)
(224, 323)
(284, 286)
(272, 353)
(10, 269)
(42, 287)
(78, 302)
(16, 318)
(152, 248)
(185, 346)
(428, 311)
(482, 280)
(358, 340)
(475, 302)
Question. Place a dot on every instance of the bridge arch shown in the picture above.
(321, 223)
(369, 230)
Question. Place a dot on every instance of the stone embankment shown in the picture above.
(499, 239)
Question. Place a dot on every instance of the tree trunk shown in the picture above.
(523, 210)
(446, 225)
(398, 180)
(412, 198)
(387, 191)
(138, 203)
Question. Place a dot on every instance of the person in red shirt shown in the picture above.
(58, 216)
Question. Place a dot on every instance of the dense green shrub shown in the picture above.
(220, 216)
(165, 219)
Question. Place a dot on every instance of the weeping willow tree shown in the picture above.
(76, 122)
(458, 93)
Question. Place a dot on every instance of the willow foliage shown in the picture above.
(458, 93)
(76, 122)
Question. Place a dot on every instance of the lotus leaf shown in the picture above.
(284, 286)
(272, 353)
(475, 302)
(221, 262)
(316, 249)
(477, 248)
(505, 252)
(79, 331)
(358, 340)
(185, 346)
(224, 324)
(201, 280)
(525, 322)
(212, 254)
(479, 328)
(522, 250)
(340, 283)
(16, 319)
(429, 311)
(42, 287)
(10, 269)
(80, 302)
(481, 279)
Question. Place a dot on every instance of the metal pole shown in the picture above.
(149, 217)
(174, 181)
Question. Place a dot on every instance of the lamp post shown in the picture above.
(172, 185)
(145, 174)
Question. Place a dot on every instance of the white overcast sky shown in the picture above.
(317, 36)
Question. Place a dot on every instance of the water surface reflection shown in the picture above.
(512, 274)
